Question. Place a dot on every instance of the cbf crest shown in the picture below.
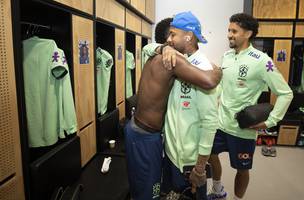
(243, 69)
(185, 87)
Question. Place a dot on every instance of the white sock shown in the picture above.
(106, 165)
(236, 198)
(217, 186)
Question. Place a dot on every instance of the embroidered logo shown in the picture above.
(156, 190)
(281, 55)
(185, 87)
(195, 62)
(186, 104)
(254, 55)
(269, 66)
(243, 71)
(55, 56)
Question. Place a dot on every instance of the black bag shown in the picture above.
(252, 115)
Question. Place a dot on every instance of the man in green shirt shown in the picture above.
(246, 73)
(143, 132)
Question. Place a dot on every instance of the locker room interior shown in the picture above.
(100, 44)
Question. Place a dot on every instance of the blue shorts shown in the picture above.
(174, 179)
(144, 162)
(240, 150)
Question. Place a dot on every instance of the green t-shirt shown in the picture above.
(130, 65)
(245, 76)
(191, 119)
(147, 52)
(48, 94)
(104, 63)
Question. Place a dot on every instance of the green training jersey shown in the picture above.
(104, 63)
(191, 119)
(245, 76)
(49, 101)
(130, 65)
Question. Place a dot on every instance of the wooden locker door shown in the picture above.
(284, 45)
(133, 22)
(140, 5)
(274, 9)
(146, 29)
(150, 9)
(82, 5)
(111, 10)
(138, 60)
(11, 177)
(83, 70)
(87, 143)
(120, 69)
(301, 9)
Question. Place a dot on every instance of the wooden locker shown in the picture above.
(140, 5)
(133, 22)
(83, 70)
(299, 30)
(111, 10)
(87, 143)
(282, 66)
(120, 65)
(10, 151)
(82, 5)
(150, 9)
(288, 135)
(301, 9)
(138, 60)
(275, 29)
(274, 9)
(146, 29)
(122, 110)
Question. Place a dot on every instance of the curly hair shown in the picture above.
(162, 30)
(246, 22)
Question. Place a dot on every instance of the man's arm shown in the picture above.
(207, 80)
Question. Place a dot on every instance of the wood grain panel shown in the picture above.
(299, 29)
(138, 61)
(87, 143)
(301, 9)
(83, 73)
(146, 29)
(140, 5)
(120, 65)
(275, 29)
(150, 9)
(288, 135)
(83, 5)
(274, 9)
(111, 11)
(122, 110)
(283, 67)
(133, 22)
(10, 148)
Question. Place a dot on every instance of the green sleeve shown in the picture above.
(148, 51)
(208, 112)
(279, 87)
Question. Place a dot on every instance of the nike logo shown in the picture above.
(245, 163)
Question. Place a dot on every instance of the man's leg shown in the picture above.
(241, 182)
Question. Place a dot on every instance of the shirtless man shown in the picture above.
(143, 133)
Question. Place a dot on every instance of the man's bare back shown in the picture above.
(154, 88)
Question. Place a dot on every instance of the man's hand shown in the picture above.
(169, 57)
(197, 178)
(258, 126)
(217, 72)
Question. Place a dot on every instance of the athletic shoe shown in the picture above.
(217, 196)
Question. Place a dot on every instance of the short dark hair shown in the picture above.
(247, 22)
(162, 30)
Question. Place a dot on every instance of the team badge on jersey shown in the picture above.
(185, 87)
(281, 55)
(243, 69)
(269, 66)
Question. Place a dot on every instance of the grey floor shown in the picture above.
(272, 178)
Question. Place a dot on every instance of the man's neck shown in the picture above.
(245, 45)
(189, 50)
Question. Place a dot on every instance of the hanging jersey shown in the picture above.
(48, 95)
(245, 76)
(104, 63)
(130, 65)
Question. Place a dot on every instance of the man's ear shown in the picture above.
(248, 34)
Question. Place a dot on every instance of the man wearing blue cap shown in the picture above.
(191, 118)
(143, 132)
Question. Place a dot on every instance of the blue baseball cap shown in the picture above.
(188, 22)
